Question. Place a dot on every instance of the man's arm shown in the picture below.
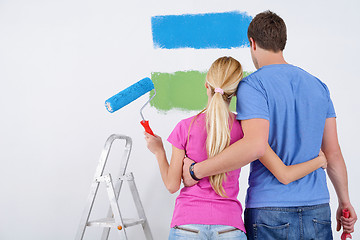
(336, 170)
(251, 147)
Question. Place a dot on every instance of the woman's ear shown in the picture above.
(208, 91)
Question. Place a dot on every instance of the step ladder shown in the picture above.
(114, 218)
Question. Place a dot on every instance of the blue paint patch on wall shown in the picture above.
(199, 31)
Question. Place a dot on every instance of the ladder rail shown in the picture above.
(118, 185)
(115, 207)
(98, 173)
(139, 206)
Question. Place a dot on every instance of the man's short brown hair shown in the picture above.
(268, 30)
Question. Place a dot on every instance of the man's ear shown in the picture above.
(252, 44)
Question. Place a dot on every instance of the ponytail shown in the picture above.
(218, 135)
(222, 79)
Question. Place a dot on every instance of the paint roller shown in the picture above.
(130, 94)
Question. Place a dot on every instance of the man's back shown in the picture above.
(296, 105)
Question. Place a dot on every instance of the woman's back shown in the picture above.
(200, 204)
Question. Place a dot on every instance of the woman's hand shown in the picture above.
(323, 158)
(154, 143)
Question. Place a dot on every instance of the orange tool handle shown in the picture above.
(146, 126)
(346, 214)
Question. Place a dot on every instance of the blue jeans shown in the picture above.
(202, 232)
(298, 223)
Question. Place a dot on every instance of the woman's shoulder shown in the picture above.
(193, 124)
(183, 127)
(236, 130)
(237, 122)
(199, 118)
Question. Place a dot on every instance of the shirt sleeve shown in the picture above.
(251, 102)
(331, 110)
(178, 137)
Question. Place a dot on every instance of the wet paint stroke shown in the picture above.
(201, 31)
(182, 90)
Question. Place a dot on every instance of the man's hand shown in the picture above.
(346, 223)
(187, 179)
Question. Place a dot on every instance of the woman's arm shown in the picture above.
(170, 174)
(287, 174)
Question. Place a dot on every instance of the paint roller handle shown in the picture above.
(146, 126)
(346, 214)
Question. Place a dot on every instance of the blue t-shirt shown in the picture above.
(296, 105)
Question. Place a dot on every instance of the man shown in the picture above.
(290, 109)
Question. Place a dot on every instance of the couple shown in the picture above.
(284, 117)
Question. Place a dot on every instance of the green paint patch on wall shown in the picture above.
(182, 90)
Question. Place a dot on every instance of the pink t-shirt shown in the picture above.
(200, 204)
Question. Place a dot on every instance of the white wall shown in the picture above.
(59, 62)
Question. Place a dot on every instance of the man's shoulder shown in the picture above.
(251, 76)
(313, 78)
(252, 80)
(261, 74)
(287, 71)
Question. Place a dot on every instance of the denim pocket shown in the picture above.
(231, 233)
(186, 229)
(322, 230)
(183, 232)
(227, 230)
(278, 232)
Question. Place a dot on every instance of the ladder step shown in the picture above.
(110, 222)
(128, 222)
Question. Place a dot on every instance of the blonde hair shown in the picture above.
(224, 73)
